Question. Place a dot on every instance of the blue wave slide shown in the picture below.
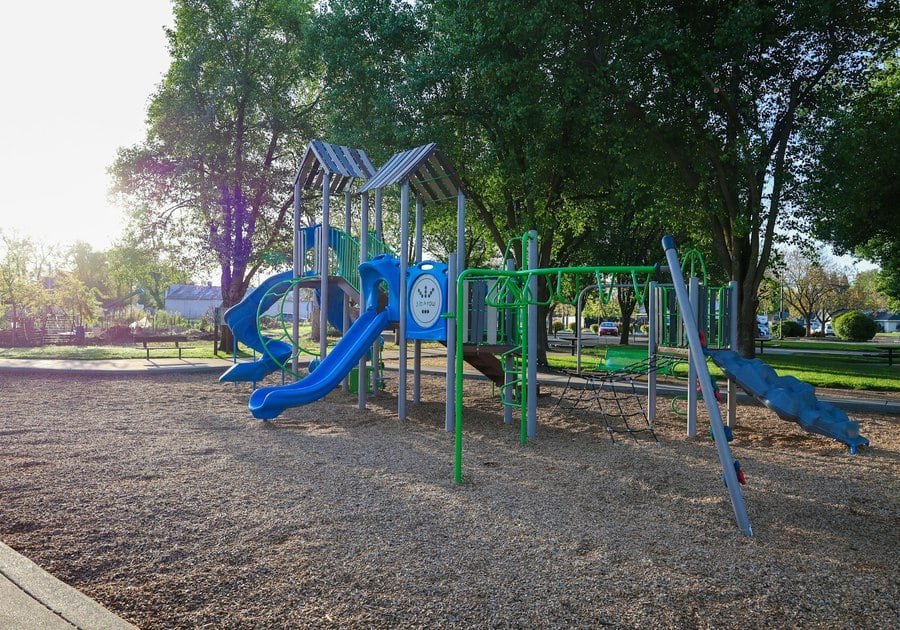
(241, 318)
(790, 398)
(268, 402)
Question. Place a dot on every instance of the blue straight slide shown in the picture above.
(241, 318)
(790, 398)
(268, 402)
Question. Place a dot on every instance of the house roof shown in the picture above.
(196, 292)
(344, 164)
(427, 169)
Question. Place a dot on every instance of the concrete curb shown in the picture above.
(31, 598)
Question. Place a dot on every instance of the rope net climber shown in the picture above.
(613, 393)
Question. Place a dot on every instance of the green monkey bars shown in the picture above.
(511, 291)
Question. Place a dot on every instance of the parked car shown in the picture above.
(816, 327)
(608, 328)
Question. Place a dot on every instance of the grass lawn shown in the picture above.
(818, 369)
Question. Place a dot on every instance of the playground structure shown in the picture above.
(330, 260)
(486, 317)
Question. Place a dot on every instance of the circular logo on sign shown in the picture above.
(425, 300)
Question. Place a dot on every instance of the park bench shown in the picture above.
(634, 359)
(153, 344)
(621, 357)
(568, 341)
(888, 352)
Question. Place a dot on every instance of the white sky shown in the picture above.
(76, 77)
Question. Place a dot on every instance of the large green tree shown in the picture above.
(854, 184)
(533, 101)
(225, 129)
(722, 89)
(503, 89)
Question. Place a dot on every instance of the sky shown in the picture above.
(77, 78)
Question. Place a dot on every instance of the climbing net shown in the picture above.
(614, 394)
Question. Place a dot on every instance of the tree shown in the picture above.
(534, 105)
(812, 288)
(225, 129)
(75, 298)
(24, 267)
(863, 293)
(853, 185)
(722, 88)
(89, 267)
(139, 269)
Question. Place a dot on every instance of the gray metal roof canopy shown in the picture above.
(427, 169)
(343, 164)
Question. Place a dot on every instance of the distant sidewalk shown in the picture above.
(114, 366)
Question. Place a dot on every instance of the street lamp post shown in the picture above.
(781, 309)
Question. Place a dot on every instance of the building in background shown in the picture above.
(194, 301)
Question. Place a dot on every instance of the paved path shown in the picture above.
(114, 366)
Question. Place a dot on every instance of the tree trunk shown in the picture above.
(747, 321)
(231, 294)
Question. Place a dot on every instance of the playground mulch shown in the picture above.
(162, 498)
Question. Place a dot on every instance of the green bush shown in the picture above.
(790, 328)
(556, 327)
(573, 327)
(855, 326)
(595, 328)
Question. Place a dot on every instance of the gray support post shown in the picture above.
(404, 264)
(732, 343)
(460, 233)
(299, 253)
(345, 311)
(579, 308)
(379, 234)
(652, 306)
(532, 334)
(456, 264)
(508, 360)
(694, 294)
(361, 380)
(450, 387)
(712, 407)
(379, 225)
(417, 344)
(323, 266)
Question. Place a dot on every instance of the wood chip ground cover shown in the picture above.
(162, 498)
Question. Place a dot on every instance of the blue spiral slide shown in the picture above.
(241, 318)
(268, 402)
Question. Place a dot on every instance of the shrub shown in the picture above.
(595, 328)
(556, 327)
(790, 328)
(854, 326)
(573, 327)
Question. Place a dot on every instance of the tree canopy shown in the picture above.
(224, 129)
(854, 184)
(537, 105)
